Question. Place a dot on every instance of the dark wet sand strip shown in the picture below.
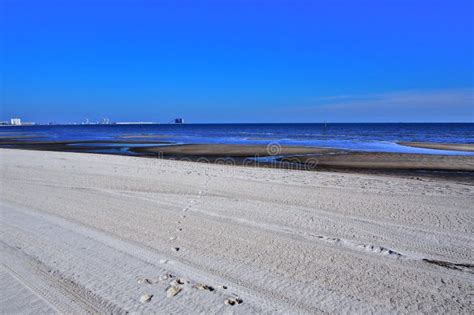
(389, 161)
(230, 150)
(302, 158)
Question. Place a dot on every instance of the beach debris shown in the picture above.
(177, 282)
(163, 261)
(202, 286)
(144, 281)
(176, 249)
(172, 238)
(165, 276)
(173, 290)
(175, 287)
(145, 298)
(233, 301)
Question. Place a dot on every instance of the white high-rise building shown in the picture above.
(15, 121)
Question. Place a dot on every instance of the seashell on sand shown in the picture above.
(177, 282)
(172, 291)
(144, 281)
(165, 276)
(145, 298)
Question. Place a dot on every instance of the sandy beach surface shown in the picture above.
(116, 234)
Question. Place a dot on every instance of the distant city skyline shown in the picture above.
(237, 61)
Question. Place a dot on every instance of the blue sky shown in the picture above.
(237, 61)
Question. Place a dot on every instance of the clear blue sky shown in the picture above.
(237, 61)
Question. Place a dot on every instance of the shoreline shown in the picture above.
(456, 167)
(463, 147)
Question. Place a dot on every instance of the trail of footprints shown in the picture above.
(193, 203)
(177, 284)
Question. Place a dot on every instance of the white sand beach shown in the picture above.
(115, 234)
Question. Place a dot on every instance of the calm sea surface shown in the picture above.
(366, 137)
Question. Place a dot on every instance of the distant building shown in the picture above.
(15, 122)
(179, 121)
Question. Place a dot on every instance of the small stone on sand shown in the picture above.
(172, 291)
(165, 276)
(202, 286)
(177, 282)
(145, 298)
(144, 281)
(233, 301)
